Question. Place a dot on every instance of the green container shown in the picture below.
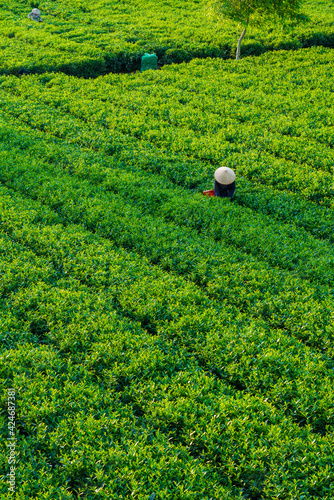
(149, 61)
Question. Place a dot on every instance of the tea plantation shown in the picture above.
(161, 344)
(88, 39)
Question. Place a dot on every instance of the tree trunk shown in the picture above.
(239, 43)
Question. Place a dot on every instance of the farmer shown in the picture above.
(35, 15)
(224, 182)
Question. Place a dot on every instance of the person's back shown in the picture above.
(35, 15)
(224, 191)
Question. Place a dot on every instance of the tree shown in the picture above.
(256, 12)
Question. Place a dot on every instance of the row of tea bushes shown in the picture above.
(93, 383)
(85, 39)
(203, 115)
(285, 246)
(181, 236)
(180, 366)
(78, 370)
(180, 446)
(176, 311)
(283, 205)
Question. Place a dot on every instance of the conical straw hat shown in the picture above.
(224, 175)
(36, 11)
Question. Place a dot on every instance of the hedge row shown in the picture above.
(283, 206)
(79, 368)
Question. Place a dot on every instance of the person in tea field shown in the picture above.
(224, 182)
(35, 15)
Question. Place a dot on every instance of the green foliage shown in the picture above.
(256, 11)
(164, 345)
(88, 40)
(82, 327)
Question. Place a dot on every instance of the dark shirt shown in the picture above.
(224, 190)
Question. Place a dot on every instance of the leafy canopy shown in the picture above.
(258, 11)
